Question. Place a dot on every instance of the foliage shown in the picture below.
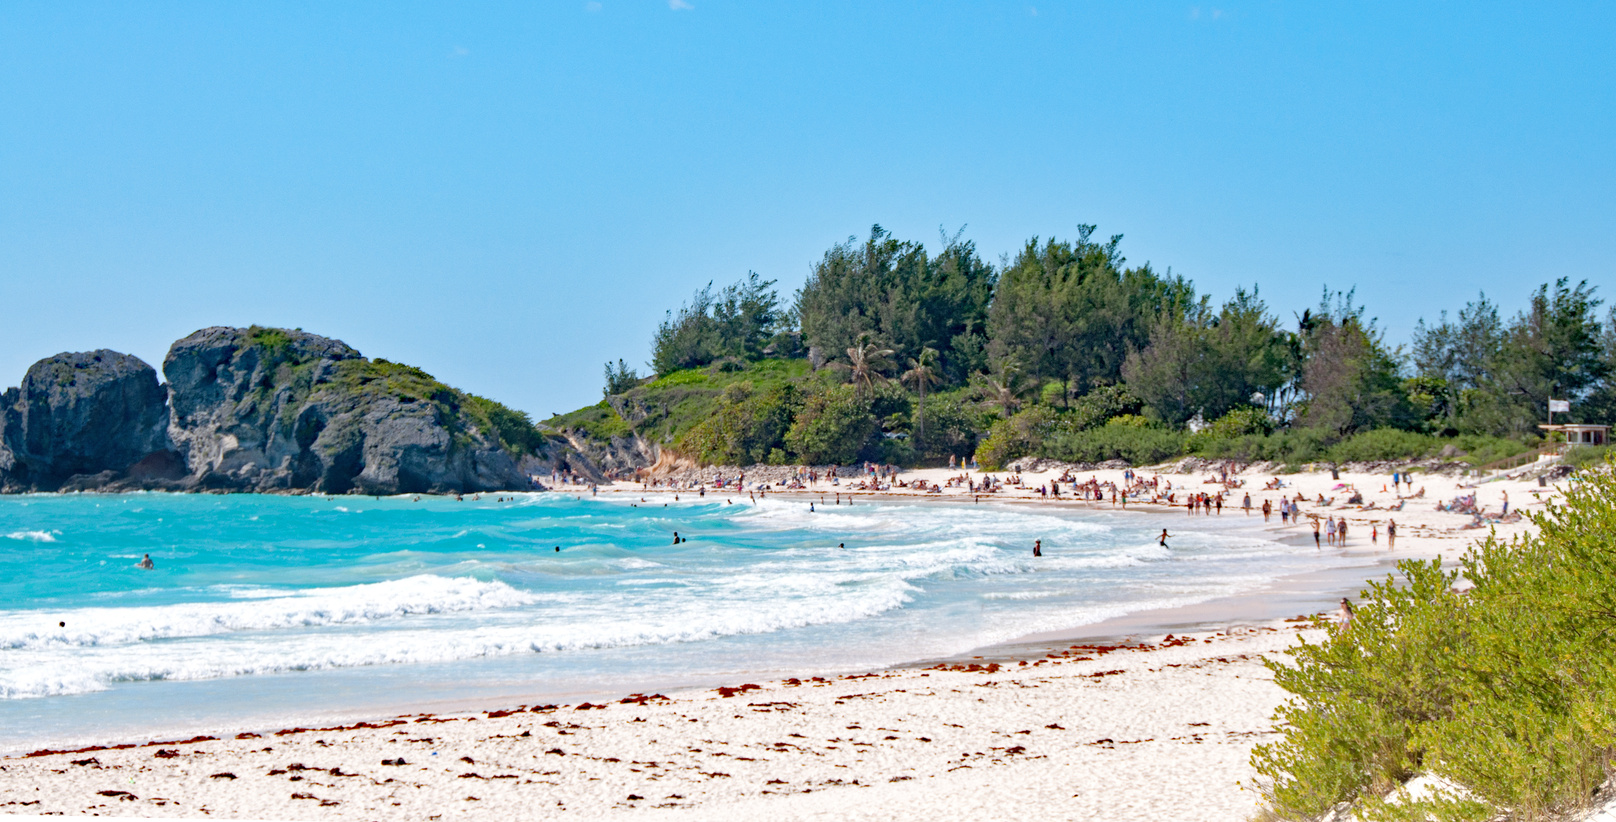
(891, 290)
(1589, 455)
(1210, 363)
(620, 378)
(739, 321)
(1119, 439)
(746, 427)
(1018, 436)
(952, 429)
(1350, 377)
(1069, 311)
(832, 427)
(1508, 690)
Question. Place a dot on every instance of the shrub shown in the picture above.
(745, 429)
(1385, 444)
(1117, 440)
(1018, 436)
(1508, 690)
(832, 427)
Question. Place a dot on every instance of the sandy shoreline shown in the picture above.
(1029, 737)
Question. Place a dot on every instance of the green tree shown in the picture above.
(892, 290)
(832, 427)
(1210, 363)
(1350, 379)
(739, 321)
(1552, 350)
(620, 378)
(922, 374)
(1069, 311)
(866, 363)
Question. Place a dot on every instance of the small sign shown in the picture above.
(1559, 406)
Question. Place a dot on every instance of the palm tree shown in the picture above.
(865, 362)
(1001, 390)
(921, 374)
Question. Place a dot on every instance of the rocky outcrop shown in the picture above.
(273, 410)
(257, 409)
(93, 413)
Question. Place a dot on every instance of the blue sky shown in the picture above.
(510, 194)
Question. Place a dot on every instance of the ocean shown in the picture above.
(262, 611)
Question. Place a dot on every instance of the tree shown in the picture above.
(620, 378)
(1069, 311)
(892, 290)
(1552, 350)
(1350, 379)
(736, 322)
(865, 364)
(832, 427)
(922, 374)
(1210, 363)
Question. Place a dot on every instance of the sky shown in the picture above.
(510, 195)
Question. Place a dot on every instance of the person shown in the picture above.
(1374, 534)
(1246, 504)
(1163, 541)
(675, 537)
(1391, 534)
(810, 508)
(1329, 530)
(1345, 614)
(558, 549)
(1341, 532)
(1316, 532)
(1037, 547)
(1267, 509)
(145, 562)
(1506, 503)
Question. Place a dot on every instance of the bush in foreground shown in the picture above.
(1508, 689)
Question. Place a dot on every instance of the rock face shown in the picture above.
(256, 409)
(89, 413)
(274, 410)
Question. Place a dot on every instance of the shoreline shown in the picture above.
(1220, 670)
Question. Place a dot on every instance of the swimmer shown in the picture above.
(1037, 547)
(675, 537)
(842, 545)
(810, 508)
(1163, 541)
(145, 562)
(558, 549)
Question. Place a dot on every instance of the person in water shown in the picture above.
(1163, 541)
(145, 562)
(1037, 547)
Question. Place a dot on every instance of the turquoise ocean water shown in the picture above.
(266, 609)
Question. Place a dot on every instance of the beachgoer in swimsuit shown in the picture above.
(1163, 541)
(145, 562)
(1345, 614)
(1037, 547)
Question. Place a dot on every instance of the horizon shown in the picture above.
(508, 197)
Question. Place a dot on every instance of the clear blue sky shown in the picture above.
(510, 194)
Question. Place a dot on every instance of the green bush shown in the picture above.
(1508, 690)
(1114, 440)
(1018, 436)
(745, 429)
(1385, 444)
(1588, 455)
(832, 427)
(1292, 446)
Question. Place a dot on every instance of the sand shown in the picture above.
(1159, 728)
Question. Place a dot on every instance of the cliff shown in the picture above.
(259, 410)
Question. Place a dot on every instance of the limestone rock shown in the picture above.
(85, 413)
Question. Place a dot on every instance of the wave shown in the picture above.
(34, 536)
(355, 604)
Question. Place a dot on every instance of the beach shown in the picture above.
(1145, 715)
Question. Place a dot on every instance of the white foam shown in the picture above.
(34, 536)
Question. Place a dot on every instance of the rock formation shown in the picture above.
(90, 413)
(258, 409)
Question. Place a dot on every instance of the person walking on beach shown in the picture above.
(1267, 510)
(1316, 532)
(1037, 547)
(1391, 534)
(1246, 504)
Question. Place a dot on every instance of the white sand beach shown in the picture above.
(1143, 727)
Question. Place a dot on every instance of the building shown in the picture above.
(1577, 434)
